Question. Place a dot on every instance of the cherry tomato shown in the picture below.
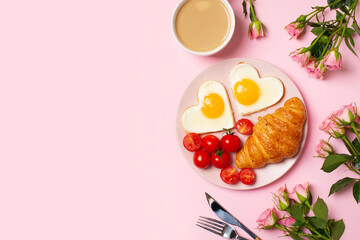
(244, 126)
(230, 142)
(247, 176)
(201, 159)
(220, 159)
(229, 175)
(192, 142)
(210, 143)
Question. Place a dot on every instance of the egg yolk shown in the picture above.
(213, 106)
(246, 91)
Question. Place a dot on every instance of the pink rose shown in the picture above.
(285, 219)
(267, 219)
(301, 56)
(300, 193)
(281, 199)
(295, 29)
(323, 149)
(319, 72)
(287, 222)
(310, 66)
(315, 70)
(332, 128)
(346, 115)
(332, 61)
(256, 30)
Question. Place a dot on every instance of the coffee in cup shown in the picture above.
(203, 26)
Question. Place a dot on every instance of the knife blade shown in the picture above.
(224, 215)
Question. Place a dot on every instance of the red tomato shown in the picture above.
(244, 126)
(201, 159)
(230, 142)
(229, 175)
(192, 142)
(247, 176)
(220, 159)
(210, 143)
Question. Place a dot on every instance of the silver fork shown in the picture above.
(218, 227)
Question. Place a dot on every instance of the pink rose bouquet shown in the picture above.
(291, 214)
(323, 53)
(342, 124)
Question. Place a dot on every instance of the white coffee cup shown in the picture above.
(217, 49)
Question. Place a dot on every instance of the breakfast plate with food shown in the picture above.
(241, 123)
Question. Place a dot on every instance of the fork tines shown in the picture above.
(211, 225)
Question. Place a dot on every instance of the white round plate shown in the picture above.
(220, 72)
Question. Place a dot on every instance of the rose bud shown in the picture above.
(256, 30)
(295, 29)
(346, 115)
(300, 193)
(267, 219)
(281, 199)
(332, 61)
(301, 55)
(332, 128)
(323, 149)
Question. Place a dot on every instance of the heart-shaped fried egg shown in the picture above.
(213, 113)
(252, 93)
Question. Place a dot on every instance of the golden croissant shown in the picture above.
(275, 136)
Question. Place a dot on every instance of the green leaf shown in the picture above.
(317, 30)
(297, 212)
(349, 32)
(317, 222)
(318, 48)
(297, 224)
(356, 27)
(337, 5)
(294, 236)
(341, 184)
(330, 222)
(344, 9)
(320, 209)
(333, 161)
(339, 15)
(349, 3)
(314, 24)
(349, 46)
(338, 229)
(356, 144)
(244, 7)
(357, 163)
(356, 191)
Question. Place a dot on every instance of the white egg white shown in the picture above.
(271, 88)
(193, 120)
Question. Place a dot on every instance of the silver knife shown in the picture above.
(224, 215)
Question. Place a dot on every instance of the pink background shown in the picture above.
(88, 99)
